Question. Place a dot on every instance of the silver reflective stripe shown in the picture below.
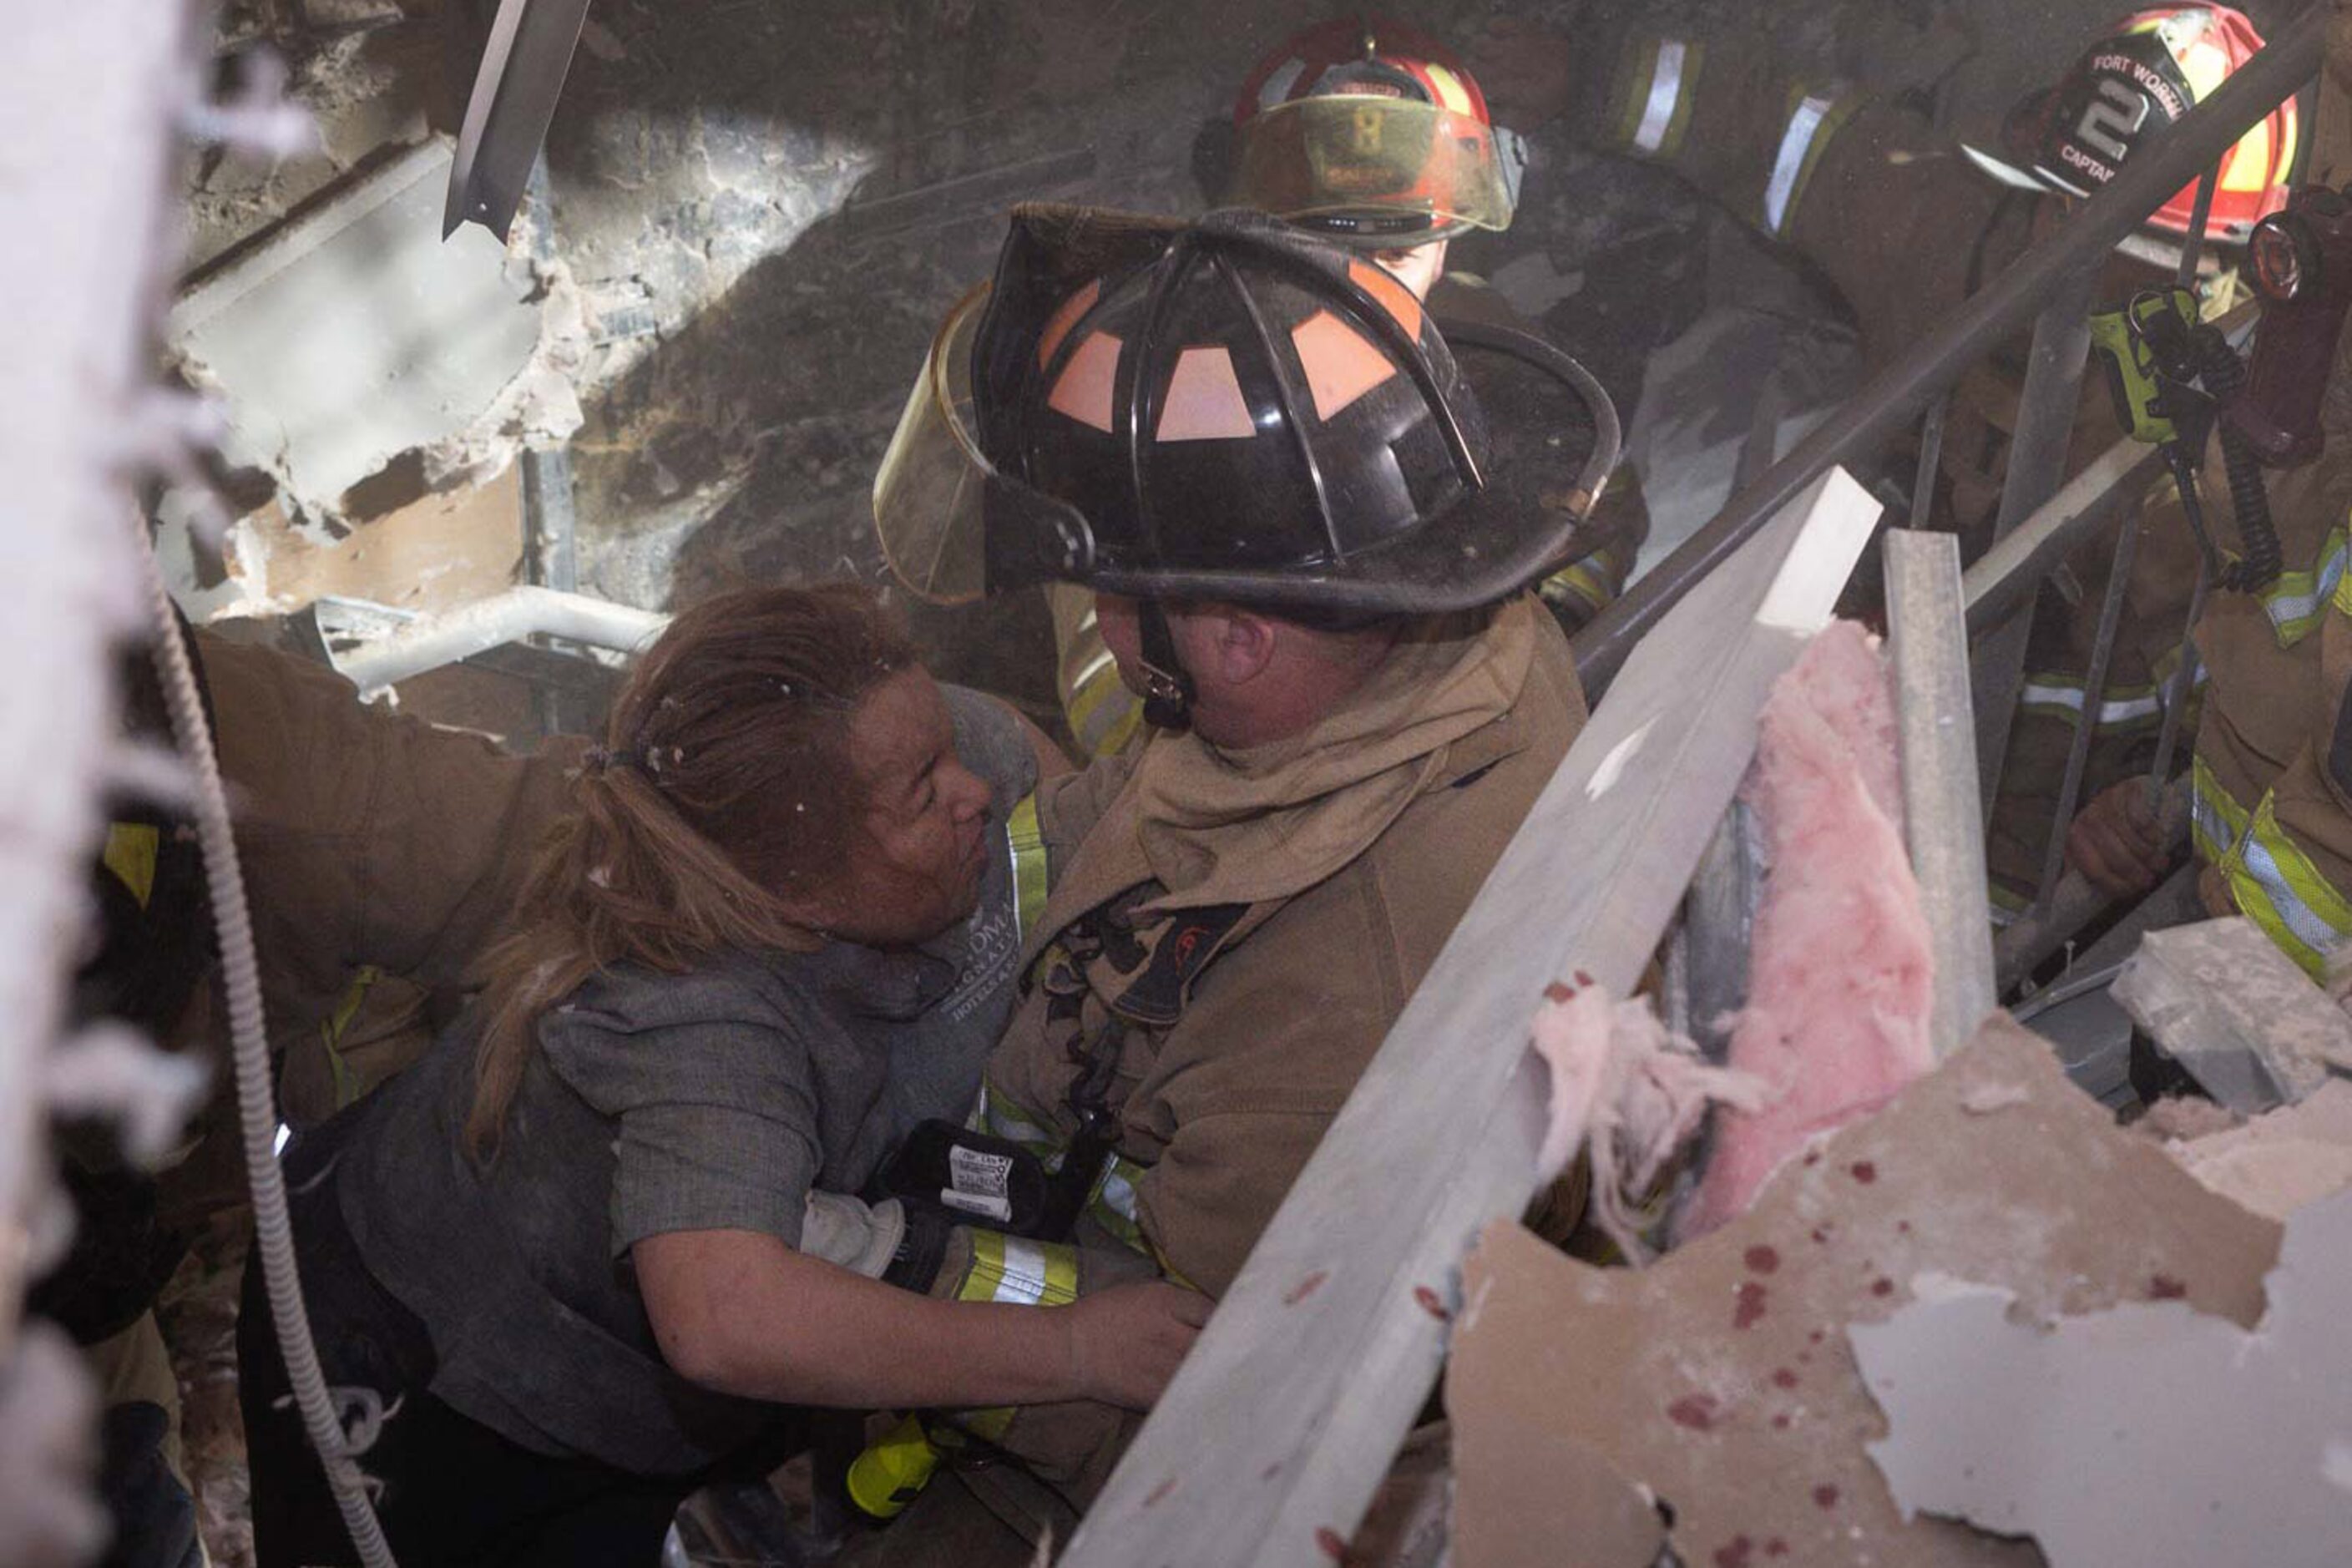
(2291, 613)
(1795, 142)
(1023, 1280)
(2070, 697)
(1118, 1192)
(1093, 668)
(2115, 711)
(2299, 916)
(1277, 90)
(2211, 826)
(1666, 93)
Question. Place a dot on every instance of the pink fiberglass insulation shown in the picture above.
(1836, 1020)
(1629, 1091)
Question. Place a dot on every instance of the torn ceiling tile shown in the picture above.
(1720, 1378)
(2276, 1163)
(2152, 1433)
(354, 334)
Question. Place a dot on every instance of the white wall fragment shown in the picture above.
(354, 333)
(2150, 1433)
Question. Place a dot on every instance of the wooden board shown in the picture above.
(1269, 1444)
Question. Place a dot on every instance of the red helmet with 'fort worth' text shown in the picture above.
(2129, 88)
(1372, 133)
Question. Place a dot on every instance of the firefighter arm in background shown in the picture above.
(1867, 190)
(374, 840)
(2287, 865)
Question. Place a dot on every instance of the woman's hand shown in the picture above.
(1126, 1342)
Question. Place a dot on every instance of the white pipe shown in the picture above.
(494, 621)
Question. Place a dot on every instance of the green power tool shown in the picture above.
(2126, 339)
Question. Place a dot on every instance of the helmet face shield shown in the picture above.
(954, 529)
(928, 494)
(1403, 171)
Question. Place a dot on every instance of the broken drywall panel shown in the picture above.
(2279, 1161)
(441, 550)
(354, 334)
(1719, 1377)
(2228, 1007)
(1840, 994)
(2151, 1434)
(444, 549)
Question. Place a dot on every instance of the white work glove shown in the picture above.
(856, 1235)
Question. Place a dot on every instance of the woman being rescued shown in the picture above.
(577, 1256)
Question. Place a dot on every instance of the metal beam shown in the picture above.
(2005, 577)
(1929, 647)
(2037, 462)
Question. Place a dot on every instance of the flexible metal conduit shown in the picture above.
(1897, 394)
(273, 1228)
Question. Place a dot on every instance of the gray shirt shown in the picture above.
(709, 1101)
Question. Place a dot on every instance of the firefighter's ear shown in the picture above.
(1223, 646)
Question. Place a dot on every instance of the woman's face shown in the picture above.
(915, 869)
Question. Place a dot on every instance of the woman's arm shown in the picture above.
(739, 1311)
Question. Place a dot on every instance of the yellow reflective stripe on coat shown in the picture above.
(2276, 886)
(1813, 119)
(338, 1023)
(2293, 602)
(1593, 582)
(1001, 1118)
(2215, 821)
(131, 852)
(1103, 714)
(1113, 1202)
(1030, 882)
(1014, 1271)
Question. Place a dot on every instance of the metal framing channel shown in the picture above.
(1928, 646)
(2177, 693)
(2201, 213)
(1931, 462)
(2037, 464)
(2095, 695)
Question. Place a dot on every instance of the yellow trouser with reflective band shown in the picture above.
(1011, 1270)
(1112, 1202)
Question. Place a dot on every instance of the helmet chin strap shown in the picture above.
(1167, 689)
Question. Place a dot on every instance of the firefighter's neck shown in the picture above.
(1258, 680)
